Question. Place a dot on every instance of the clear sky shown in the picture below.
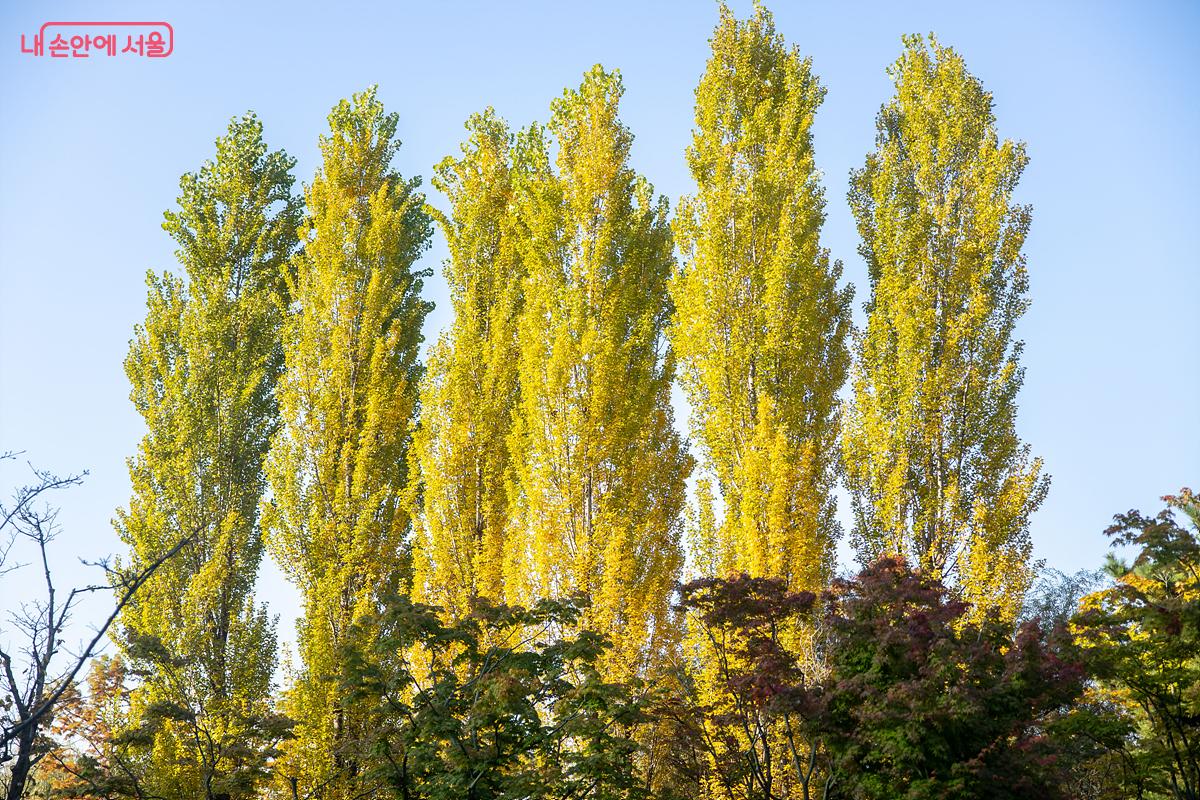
(1104, 94)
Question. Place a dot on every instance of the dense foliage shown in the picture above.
(924, 700)
(494, 705)
(499, 599)
(933, 462)
(1142, 640)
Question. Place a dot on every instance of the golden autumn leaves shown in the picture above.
(536, 453)
(347, 398)
(760, 325)
(932, 457)
(549, 397)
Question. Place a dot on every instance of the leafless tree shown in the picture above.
(35, 674)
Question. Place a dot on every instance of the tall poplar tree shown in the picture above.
(470, 391)
(203, 368)
(599, 479)
(348, 397)
(760, 329)
(761, 324)
(934, 465)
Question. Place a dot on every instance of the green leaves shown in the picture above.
(203, 368)
(498, 704)
(1141, 637)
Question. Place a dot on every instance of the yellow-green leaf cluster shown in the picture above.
(203, 368)
(934, 465)
(761, 324)
(459, 492)
(348, 398)
(599, 470)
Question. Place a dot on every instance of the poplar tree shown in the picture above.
(600, 470)
(348, 397)
(470, 391)
(761, 324)
(760, 329)
(203, 368)
(934, 465)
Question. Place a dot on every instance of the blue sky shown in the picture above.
(1104, 95)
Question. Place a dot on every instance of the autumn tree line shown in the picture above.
(508, 589)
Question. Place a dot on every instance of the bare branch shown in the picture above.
(44, 706)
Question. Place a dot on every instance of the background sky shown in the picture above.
(1104, 94)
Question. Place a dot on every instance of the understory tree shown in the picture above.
(493, 706)
(919, 701)
(1141, 639)
(925, 699)
(755, 717)
(39, 665)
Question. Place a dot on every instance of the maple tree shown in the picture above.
(1141, 637)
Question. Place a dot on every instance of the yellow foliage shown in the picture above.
(933, 463)
(598, 484)
(761, 324)
(459, 495)
(348, 398)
